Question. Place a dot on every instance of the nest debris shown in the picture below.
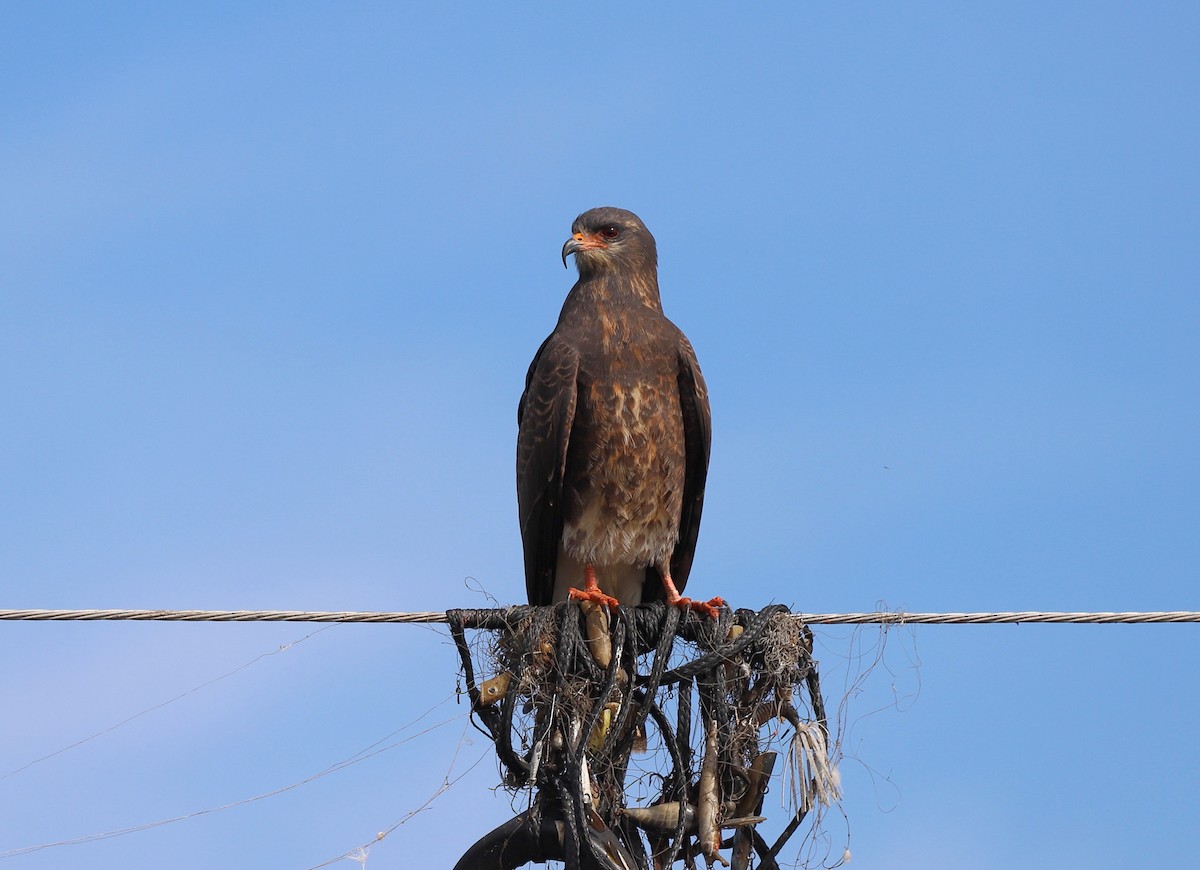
(652, 706)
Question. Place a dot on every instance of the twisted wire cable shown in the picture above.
(883, 617)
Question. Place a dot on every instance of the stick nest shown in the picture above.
(646, 736)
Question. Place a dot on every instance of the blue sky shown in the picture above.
(269, 282)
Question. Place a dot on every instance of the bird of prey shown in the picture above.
(614, 432)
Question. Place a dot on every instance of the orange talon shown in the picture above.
(591, 590)
(710, 608)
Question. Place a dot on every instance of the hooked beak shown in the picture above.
(579, 242)
(573, 245)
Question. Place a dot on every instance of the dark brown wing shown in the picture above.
(697, 436)
(544, 417)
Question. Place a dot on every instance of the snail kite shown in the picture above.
(613, 444)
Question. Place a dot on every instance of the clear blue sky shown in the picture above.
(270, 278)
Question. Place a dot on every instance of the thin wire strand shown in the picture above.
(869, 618)
(280, 649)
(358, 757)
(360, 853)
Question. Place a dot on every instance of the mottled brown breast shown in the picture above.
(625, 467)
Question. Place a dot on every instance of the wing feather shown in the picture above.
(697, 434)
(545, 415)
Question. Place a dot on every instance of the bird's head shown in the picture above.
(610, 238)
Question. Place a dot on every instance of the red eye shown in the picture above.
(610, 232)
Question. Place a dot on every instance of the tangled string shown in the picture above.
(575, 694)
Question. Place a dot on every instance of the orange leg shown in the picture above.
(674, 599)
(591, 590)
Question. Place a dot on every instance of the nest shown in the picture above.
(644, 737)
